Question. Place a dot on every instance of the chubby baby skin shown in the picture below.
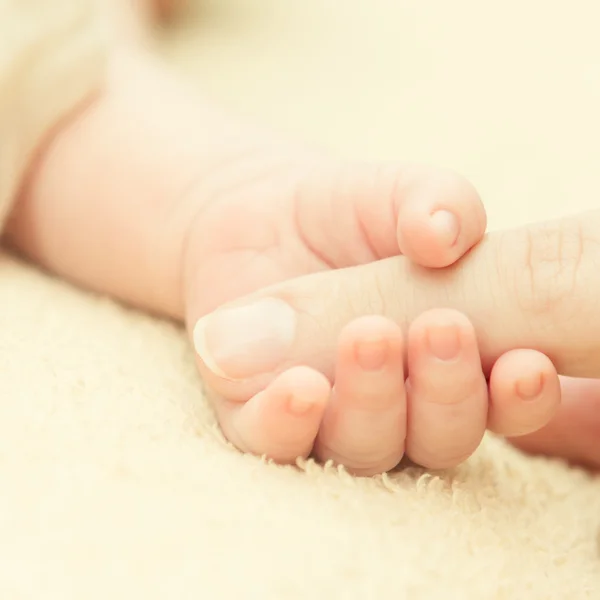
(246, 239)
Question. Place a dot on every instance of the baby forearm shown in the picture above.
(53, 60)
(98, 206)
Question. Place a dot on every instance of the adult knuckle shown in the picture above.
(368, 290)
(551, 270)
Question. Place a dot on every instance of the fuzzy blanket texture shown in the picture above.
(114, 479)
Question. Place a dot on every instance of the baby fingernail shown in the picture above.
(530, 387)
(300, 406)
(446, 225)
(371, 354)
(244, 341)
(444, 341)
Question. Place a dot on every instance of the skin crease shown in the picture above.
(174, 250)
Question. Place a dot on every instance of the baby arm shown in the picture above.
(52, 57)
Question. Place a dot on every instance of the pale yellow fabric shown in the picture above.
(51, 58)
(114, 480)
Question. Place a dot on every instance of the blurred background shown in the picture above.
(508, 92)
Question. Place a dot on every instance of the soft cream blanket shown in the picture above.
(114, 480)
